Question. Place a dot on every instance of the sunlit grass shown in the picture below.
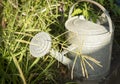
(22, 20)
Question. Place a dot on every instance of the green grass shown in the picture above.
(21, 20)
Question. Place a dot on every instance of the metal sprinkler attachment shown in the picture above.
(40, 44)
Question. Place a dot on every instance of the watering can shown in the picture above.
(89, 39)
(93, 40)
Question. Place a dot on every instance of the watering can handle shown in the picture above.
(100, 6)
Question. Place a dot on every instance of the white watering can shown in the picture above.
(94, 40)
(86, 37)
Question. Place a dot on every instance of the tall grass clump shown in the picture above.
(21, 20)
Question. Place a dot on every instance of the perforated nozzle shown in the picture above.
(40, 44)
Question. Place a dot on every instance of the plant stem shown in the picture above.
(19, 69)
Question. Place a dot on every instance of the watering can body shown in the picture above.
(94, 40)
(98, 47)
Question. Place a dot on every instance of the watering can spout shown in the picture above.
(61, 58)
(60, 55)
(40, 45)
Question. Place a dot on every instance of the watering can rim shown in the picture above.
(97, 4)
(81, 27)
